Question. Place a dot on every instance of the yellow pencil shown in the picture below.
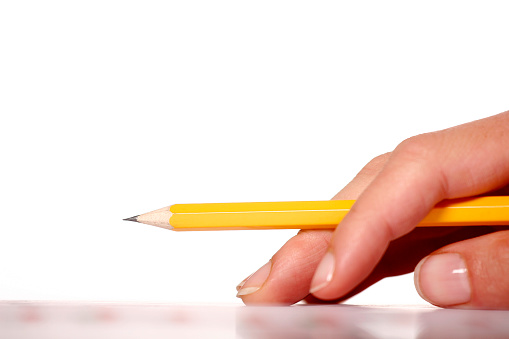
(489, 210)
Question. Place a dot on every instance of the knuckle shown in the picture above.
(417, 148)
(424, 156)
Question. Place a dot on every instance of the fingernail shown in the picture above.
(323, 274)
(442, 279)
(239, 286)
(255, 281)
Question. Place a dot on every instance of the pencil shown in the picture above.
(488, 210)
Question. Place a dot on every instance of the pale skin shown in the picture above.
(460, 267)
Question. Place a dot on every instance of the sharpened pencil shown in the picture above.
(489, 210)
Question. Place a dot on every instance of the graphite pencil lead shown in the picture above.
(135, 218)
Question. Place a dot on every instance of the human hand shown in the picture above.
(465, 267)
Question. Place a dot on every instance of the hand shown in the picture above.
(466, 267)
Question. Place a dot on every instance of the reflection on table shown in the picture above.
(55, 320)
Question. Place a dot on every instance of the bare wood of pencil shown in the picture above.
(159, 218)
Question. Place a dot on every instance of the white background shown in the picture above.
(114, 108)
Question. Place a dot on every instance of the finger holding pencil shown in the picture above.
(461, 267)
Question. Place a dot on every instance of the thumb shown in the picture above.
(473, 273)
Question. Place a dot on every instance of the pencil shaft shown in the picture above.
(324, 214)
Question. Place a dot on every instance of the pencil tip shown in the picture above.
(135, 218)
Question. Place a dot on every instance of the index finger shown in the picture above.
(462, 161)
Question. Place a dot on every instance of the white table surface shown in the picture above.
(21, 320)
